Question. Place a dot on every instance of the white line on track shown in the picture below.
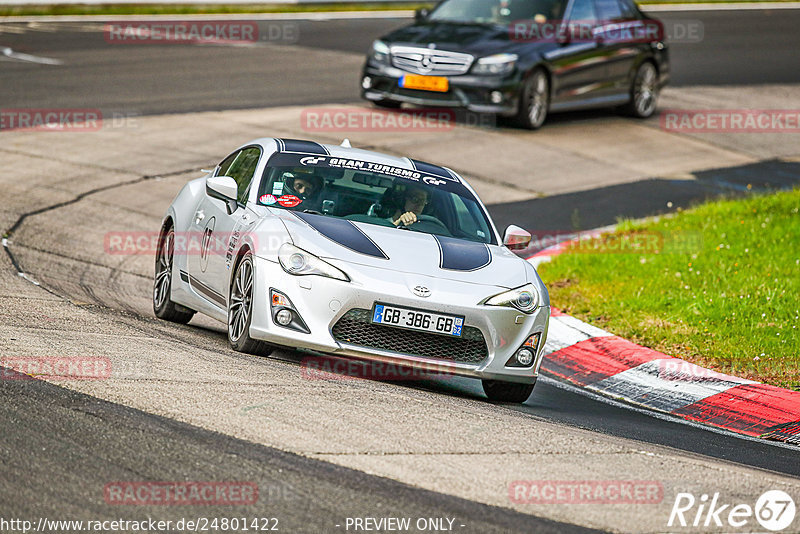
(9, 53)
(19, 272)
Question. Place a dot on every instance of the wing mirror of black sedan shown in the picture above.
(223, 188)
(421, 14)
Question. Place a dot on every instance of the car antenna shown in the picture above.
(346, 143)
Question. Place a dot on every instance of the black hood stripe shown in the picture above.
(343, 232)
(462, 255)
(298, 145)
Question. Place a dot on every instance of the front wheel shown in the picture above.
(240, 309)
(644, 92)
(534, 101)
(498, 391)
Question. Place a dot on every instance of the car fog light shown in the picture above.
(524, 357)
(283, 317)
(366, 83)
(496, 97)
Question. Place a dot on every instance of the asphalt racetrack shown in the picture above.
(183, 406)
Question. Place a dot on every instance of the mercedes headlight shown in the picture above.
(380, 52)
(524, 298)
(298, 262)
(496, 65)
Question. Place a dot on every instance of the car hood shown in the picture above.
(477, 39)
(404, 251)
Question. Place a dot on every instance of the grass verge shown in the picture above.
(716, 285)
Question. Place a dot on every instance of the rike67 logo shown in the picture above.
(774, 511)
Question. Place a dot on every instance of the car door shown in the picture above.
(621, 34)
(220, 230)
(579, 64)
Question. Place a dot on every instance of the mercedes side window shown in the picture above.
(582, 11)
(609, 11)
(242, 168)
(629, 11)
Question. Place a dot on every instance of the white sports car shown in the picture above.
(348, 252)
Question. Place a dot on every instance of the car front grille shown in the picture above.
(356, 328)
(430, 61)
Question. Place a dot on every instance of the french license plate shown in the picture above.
(440, 84)
(425, 321)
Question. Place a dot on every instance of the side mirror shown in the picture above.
(515, 238)
(223, 188)
(421, 14)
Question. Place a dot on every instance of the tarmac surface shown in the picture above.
(180, 405)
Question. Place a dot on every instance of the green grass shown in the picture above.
(717, 285)
(199, 9)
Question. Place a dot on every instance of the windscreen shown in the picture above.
(371, 193)
(497, 11)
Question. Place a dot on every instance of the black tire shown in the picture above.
(240, 301)
(163, 306)
(644, 92)
(534, 101)
(388, 104)
(498, 391)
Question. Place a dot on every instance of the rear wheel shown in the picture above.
(644, 92)
(163, 306)
(507, 391)
(534, 101)
(240, 310)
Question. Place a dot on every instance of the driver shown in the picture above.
(414, 201)
(305, 187)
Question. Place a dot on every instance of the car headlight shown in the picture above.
(495, 65)
(524, 298)
(298, 262)
(380, 52)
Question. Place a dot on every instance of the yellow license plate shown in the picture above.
(439, 84)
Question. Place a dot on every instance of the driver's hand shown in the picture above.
(407, 219)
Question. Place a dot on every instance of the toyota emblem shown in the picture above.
(421, 291)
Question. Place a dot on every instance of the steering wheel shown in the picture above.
(431, 225)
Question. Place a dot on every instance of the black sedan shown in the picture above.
(522, 58)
